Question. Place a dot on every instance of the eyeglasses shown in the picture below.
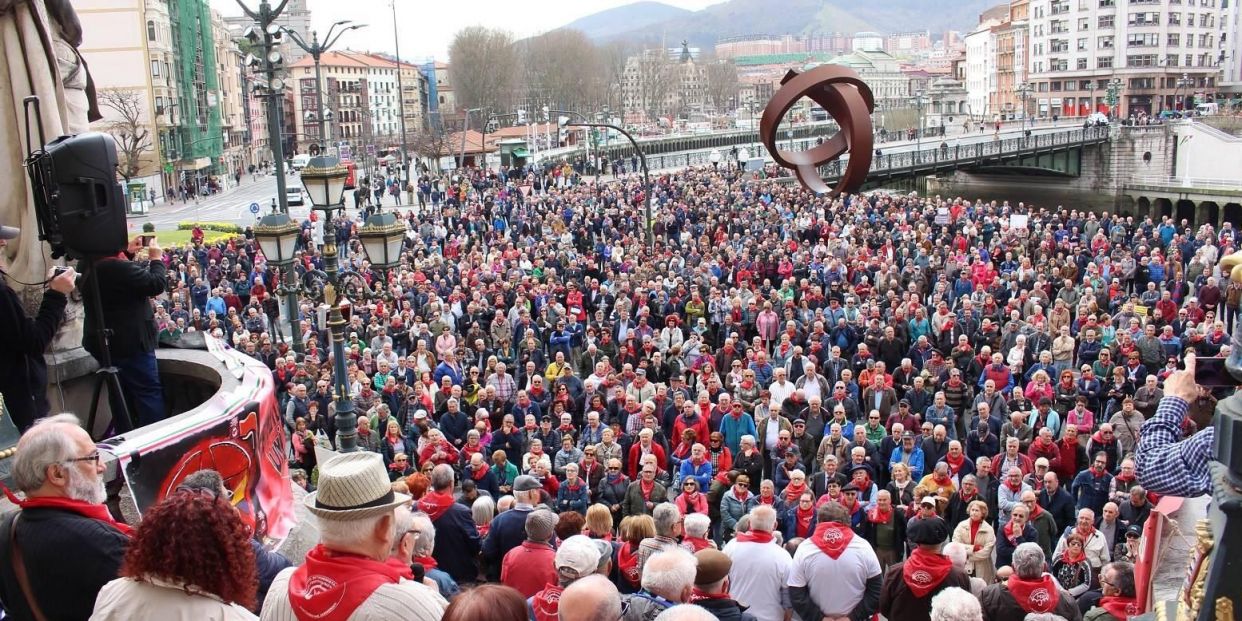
(743, 484)
(614, 469)
(93, 458)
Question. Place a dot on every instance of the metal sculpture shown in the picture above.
(848, 100)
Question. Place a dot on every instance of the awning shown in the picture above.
(520, 152)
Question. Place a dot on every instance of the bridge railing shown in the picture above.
(1204, 183)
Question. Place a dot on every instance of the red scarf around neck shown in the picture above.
(832, 538)
(754, 536)
(627, 562)
(875, 516)
(646, 487)
(1069, 557)
(1013, 488)
(804, 521)
(955, 465)
(427, 562)
(924, 571)
(1120, 607)
(1039, 595)
(330, 586)
(435, 504)
(794, 492)
(80, 507)
(1007, 531)
(1085, 533)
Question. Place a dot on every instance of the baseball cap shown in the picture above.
(928, 500)
(577, 557)
(1134, 531)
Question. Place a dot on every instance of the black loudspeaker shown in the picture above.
(88, 205)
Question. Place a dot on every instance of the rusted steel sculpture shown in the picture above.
(848, 100)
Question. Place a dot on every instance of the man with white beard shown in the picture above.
(65, 539)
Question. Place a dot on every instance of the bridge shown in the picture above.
(1049, 151)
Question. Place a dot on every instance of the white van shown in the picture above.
(1204, 109)
(300, 161)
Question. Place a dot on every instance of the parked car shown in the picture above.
(293, 195)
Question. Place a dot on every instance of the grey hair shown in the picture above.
(1123, 577)
(668, 572)
(970, 478)
(685, 612)
(507, 501)
(598, 590)
(41, 446)
(483, 510)
(696, 525)
(348, 534)
(206, 479)
(424, 531)
(763, 519)
(957, 552)
(442, 477)
(666, 516)
(955, 604)
(747, 438)
(1043, 616)
(402, 519)
(1028, 561)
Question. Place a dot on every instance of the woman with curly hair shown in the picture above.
(190, 559)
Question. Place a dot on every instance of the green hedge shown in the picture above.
(223, 227)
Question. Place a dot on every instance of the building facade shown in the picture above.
(1166, 53)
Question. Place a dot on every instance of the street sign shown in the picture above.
(168, 167)
(347, 154)
(254, 208)
(370, 150)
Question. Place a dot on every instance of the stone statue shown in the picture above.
(47, 33)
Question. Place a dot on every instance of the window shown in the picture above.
(1140, 60)
(1171, 60)
(151, 30)
(1082, 44)
(1148, 39)
(1104, 4)
(1142, 83)
(1105, 21)
(1174, 39)
(155, 68)
(1058, 45)
(1144, 19)
(1082, 63)
(1054, 87)
(1105, 42)
(1058, 64)
(1084, 23)
(1175, 19)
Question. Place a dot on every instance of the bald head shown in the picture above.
(592, 597)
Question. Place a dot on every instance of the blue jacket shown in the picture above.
(702, 473)
(444, 369)
(457, 543)
(915, 463)
(268, 563)
(1091, 491)
(508, 531)
(734, 428)
(573, 499)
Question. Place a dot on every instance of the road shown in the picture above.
(231, 205)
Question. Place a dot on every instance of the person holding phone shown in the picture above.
(1165, 463)
(23, 371)
(126, 283)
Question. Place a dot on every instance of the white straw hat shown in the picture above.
(353, 486)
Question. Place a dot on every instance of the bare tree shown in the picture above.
(657, 82)
(128, 129)
(483, 67)
(721, 84)
(612, 58)
(431, 143)
(563, 69)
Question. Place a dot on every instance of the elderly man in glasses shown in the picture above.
(63, 517)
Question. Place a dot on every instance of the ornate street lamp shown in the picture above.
(277, 235)
(382, 237)
(324, 180)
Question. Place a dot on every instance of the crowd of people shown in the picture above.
(786, 406)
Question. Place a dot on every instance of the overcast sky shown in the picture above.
(426, 27)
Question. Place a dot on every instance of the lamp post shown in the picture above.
(1090, 97)
(642, 157)
(581, 117)
(405, 147)
(1185, 82)
(919, 102)
(1024, 93)
(1113, 96)
(382, 237)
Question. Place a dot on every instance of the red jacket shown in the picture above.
(636, 452)
(1024, 463)
(529, 567)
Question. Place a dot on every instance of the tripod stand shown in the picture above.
(107, 375)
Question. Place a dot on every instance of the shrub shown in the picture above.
(223, 227)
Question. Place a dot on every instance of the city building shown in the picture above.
(1166, 54)
(129, 49)
(981, 65)
(654, 87)
(1012, 49)
(345, 92)
(1230, 56)
(867, 42)
(296, 17)
(889, 85)
(908, 44)
(233, 126)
